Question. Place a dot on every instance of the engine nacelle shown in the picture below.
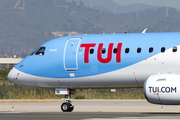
(163, 89)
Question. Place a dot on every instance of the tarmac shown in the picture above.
(86, 110)
(95, 105)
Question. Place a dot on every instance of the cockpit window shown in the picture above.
(40, 51)
(32, 53)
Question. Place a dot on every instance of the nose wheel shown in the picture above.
(67, 106)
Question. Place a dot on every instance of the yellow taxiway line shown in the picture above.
(23, 101)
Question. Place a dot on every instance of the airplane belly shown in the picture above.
(115, 79)
(107, 80)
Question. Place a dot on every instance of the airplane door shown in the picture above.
(71, 54)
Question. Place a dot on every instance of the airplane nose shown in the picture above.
(12, 75)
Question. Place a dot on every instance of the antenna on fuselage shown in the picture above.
(144, 31)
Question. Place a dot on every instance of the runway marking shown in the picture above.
(32, 101)
(128, 118)
(163, 111)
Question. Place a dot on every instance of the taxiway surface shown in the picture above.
(86, 110)
(85, 106)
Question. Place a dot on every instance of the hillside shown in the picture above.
(24, 26)
(109, 6)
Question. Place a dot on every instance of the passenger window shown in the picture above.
(150, 50)
(91, 51)
(40, 51)
(115, 50)
(174, 49)
(163, 49)
(138, 50)
(127, 50)
(103, 51)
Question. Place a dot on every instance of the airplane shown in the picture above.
(133, 60)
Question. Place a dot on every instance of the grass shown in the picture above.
(21, 92)
(106, 94)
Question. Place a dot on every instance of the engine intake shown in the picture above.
(163, 89)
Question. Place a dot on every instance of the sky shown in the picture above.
(169, 3)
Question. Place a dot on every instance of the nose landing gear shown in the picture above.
(67, 106)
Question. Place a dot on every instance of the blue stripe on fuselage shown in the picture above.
(51, 64)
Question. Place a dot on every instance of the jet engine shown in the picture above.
(163, 89)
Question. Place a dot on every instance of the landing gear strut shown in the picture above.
(67, 106)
